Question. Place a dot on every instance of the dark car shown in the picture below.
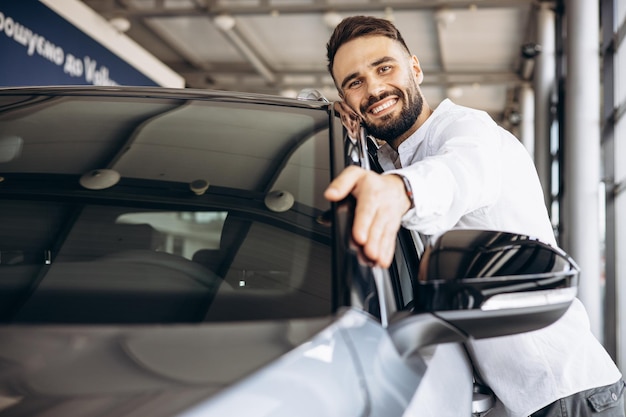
(169, 252)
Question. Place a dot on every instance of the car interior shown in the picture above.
(143, 229)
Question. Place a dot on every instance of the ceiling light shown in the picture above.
(99, 179)
(279, 200)
(224, 21)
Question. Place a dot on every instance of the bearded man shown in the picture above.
(454, 167)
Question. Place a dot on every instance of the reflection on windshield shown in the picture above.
(183, 233)
(167, 266)
(151, 247)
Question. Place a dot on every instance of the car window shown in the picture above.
(211, 215)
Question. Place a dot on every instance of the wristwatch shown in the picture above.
(407, 189)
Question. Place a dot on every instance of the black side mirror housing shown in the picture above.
(483, 283)
(489, 270)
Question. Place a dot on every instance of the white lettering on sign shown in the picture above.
(35, 44)
(96, 76)
(73, 66)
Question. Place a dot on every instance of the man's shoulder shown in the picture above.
(453, 119)
(447, 107)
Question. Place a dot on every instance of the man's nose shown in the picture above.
(374, 87)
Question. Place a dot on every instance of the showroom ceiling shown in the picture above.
(470, 51)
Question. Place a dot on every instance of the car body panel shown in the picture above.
(320, 377)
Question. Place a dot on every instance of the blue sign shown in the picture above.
(39, 47)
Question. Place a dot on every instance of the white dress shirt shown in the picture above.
(468, 172)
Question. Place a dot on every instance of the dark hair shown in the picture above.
(357, 26)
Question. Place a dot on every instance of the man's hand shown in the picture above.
(381, 201)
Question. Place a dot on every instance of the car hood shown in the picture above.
(134, 370)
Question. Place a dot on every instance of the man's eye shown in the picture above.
(385, 68)
(354, 84)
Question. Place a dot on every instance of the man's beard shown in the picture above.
(391, 128)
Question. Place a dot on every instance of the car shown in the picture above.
(169, 252)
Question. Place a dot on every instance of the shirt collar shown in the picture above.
(407, 149)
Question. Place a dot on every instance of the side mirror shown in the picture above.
(488, 270)
(480, 283)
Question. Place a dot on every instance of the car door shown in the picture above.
(420, 383)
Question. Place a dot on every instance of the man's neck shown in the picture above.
(425, 114)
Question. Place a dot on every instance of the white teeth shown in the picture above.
(384, 106)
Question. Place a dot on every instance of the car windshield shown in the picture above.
(141, 208)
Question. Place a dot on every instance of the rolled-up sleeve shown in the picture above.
(461, 175)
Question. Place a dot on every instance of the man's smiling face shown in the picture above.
(378, 78)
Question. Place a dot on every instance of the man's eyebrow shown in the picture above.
(382, 61)
(379, 61)
(348, 78)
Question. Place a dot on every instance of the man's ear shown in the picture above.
(417, 69)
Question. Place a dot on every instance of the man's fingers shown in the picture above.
(381, 239)
(365, 228)
(380, 204)
(343, 185)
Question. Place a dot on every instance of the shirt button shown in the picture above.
(614, 396)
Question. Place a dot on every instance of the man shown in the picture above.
(453, 167)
